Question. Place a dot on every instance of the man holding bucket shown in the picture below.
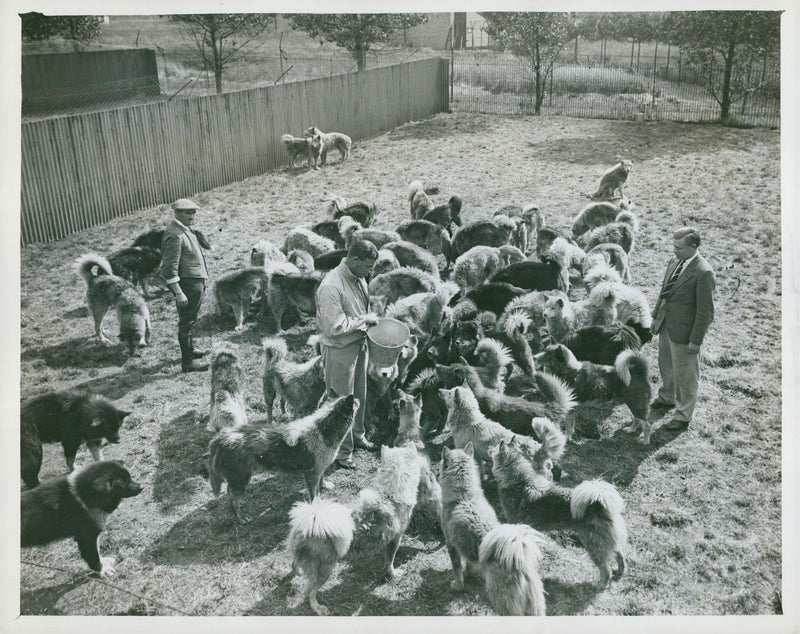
(343, 316)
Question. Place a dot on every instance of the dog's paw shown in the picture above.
(239, 327)
(107, 567)
(393, 573)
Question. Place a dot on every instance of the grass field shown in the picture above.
(703, 507)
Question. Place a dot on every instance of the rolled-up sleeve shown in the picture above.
(170, 257)
(331, 319)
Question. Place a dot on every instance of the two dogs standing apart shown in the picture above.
(314, 145)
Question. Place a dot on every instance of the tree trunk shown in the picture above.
(537, 106)
(726, 83)
(575, 54)
(361, 57)
(216, 46)
(633, 41)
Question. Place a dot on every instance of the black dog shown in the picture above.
(533, 276)
(70, 417)
(77, 506)
(154, 237)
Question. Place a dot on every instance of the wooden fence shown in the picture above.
(83, 170)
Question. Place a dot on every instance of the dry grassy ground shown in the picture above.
(703, 507)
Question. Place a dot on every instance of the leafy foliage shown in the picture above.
(536, 36)
(223, 38)
(82, 29)
(356, 32)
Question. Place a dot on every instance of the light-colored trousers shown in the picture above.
(346, 373)
(680, 376)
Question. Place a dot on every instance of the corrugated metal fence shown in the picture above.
(80, 171)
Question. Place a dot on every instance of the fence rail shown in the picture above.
(82, 170)
(504, 85)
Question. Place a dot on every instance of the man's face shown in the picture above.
(682, 248)
(361, 268)
(185, 216)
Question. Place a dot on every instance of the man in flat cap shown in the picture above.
(184, 269)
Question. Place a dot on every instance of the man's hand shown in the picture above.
(370, 319)
(180, 299)
(692, 348)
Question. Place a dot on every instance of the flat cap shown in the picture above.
(184, 203)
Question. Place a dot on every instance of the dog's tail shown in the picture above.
(629, 218)
(551, 437)
(494, 352)
(445, 292)
(226, 411)
(86, 265)
(215, 476)
(554, 391)
(509, 557)
(320, 525)
(413, 188)
(630, 365)
(275, 351)
(337, 203)
(287, 138)
(598, 506)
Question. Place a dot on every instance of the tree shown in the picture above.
(721, 37)
(536, 37)
(223, 38)
(356, 32)
(81, 29)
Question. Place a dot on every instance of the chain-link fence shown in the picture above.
(506, 85)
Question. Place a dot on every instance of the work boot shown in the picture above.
(196, 354)
(188, 364)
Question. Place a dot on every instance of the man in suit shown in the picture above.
(184, 269)
(343, 316)
(683, 313)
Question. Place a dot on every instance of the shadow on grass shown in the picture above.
(43, 600)
(127, 380)
(78, 353)
(568, 599)
(638, 142)
(442, 127)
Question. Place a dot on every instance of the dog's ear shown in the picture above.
(469, 449)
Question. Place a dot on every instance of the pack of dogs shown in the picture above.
(513, 329)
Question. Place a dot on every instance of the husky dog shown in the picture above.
(300, 147)
(154, 237)
(135, 264)
(613, 179)
(321, 532)
(307, 444)
(628, 379)
(363, 213)
(420, 201)
(298, 290)
(71, 417)
(506, 554)
(77, 506)
(300, 385)
(105, 290)
(327, 141)
(264, 254)
(596, 215)
(614, 255)
(402, 282)
(238, 290)
(227, 400)
(593, 509)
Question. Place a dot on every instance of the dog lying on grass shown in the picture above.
(506, 555)
(77, 506)
(227, 399)
(71, 417)
(321, 532)
(593, 509)
(104, 290)
(307, 444)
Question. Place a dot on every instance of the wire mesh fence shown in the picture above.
(661, 91)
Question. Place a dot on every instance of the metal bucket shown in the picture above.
(386, 340)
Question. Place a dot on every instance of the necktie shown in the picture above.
(671, 284)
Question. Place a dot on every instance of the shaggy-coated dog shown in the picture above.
(613, 179)
(491, 296)
(77, 506)
(506, 555)
(427, 235)
(330, 260)
(227, 399)
(593, 509)
(308, 444)
(547, 275)
(420, 201)
(628, 379)
(155, 237)
(622, 233)
(329, 229)
(292, 289)
(478, 232)
(363, 213)
(265, 254)
(326, 141)
(602, 344)
(423, 312)
(299, 385)
(135, 264)
(410, 254)
(70, 417)
(321, 532)
(614, 255)
(446, 215)
(238, 290)
(596, 215)
(402, 282)
(302, 147)
(104, 290)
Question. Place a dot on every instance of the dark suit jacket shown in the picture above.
(181, 255)
(688, 311)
